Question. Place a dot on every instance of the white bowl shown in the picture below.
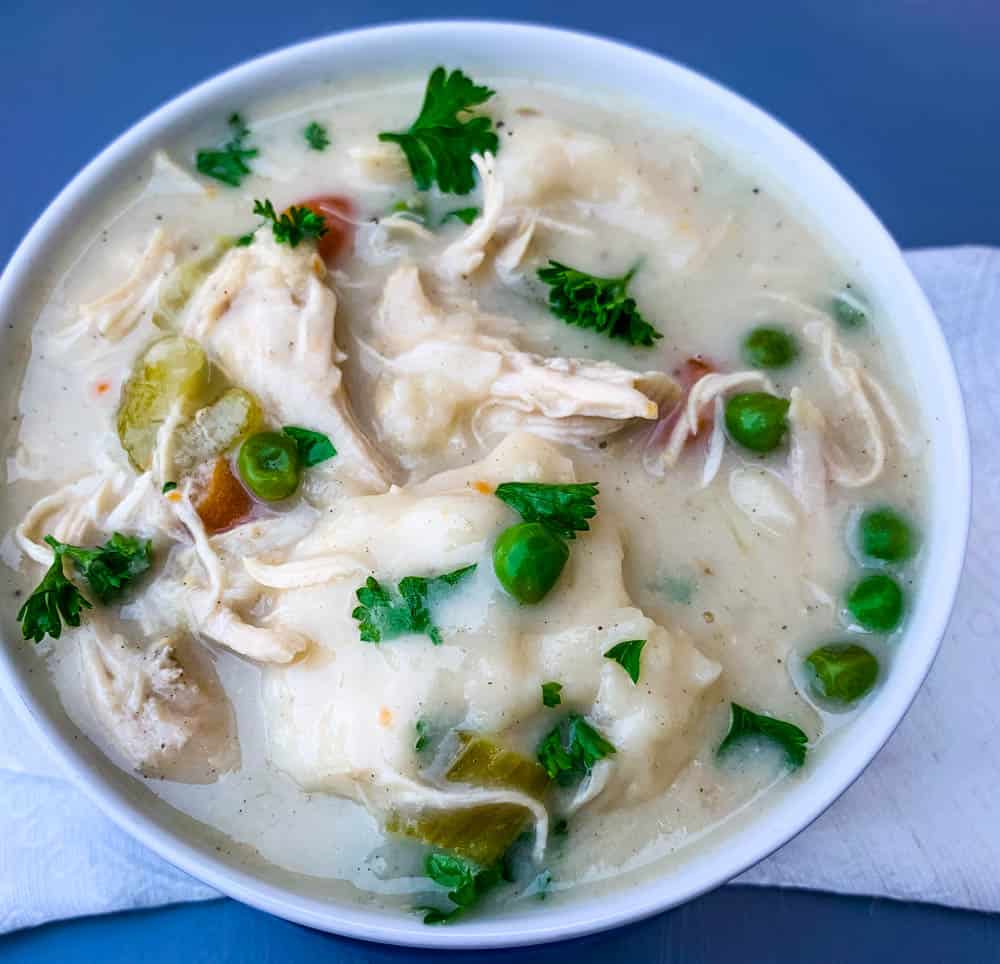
(817, 194)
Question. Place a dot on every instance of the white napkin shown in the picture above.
(921, 824)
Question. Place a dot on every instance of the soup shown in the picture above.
(449, 495)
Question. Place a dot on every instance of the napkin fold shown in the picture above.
(921, 823)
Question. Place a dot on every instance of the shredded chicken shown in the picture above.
(440, 372)
(154, 710)
(268, 316)
(115, 314)
(859, 460)
(703, 393)
(463, 256)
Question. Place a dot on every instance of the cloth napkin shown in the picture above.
(921, 823)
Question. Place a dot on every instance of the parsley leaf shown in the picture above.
(422, 738)
(381, 617)
(628, 655)
(111, 567)
(466, 883)
(563, 508)
(228, 163)
(316, 137)
(245, 240)
(787, 735)
(465, 215)
(570, 750)
(293, 225)
(108, 569)
(439, 146)
(314, 447)
(54, 600)
(551, 694)
(168, 487)
(601, 304)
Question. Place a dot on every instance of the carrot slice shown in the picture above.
(224, 502)
(340, 217)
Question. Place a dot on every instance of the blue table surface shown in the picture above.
(901, 95)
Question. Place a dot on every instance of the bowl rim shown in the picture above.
(741, 848)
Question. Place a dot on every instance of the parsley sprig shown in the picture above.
(745, 723)
(551, 694)
(229, 162)
(439, 145)
(382, 617)
(628, 655)
(599, 304)
(570, 750)
(108, 570)
(466, 883)
(565, 509)
(293, 225)
(316, 136)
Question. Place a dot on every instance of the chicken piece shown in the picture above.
(855, 455)
(169, 718)
(115, 314)
(268, 316)
(341, 717)
(465, 255)
(441, 375)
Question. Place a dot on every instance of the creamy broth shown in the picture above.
(733, 565)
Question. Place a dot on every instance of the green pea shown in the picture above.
(757, 420)
(269, 465)
(769, 348)
(843, 672)
(528, 559)
(850, 309)
(885, 535)
(876, 602)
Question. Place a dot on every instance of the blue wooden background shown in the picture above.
(902, 95)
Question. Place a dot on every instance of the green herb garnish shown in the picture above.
(628, 655)
(564, 509)
(228, 163)
(381, 617)
(570, 750)
(314, 447)
(55, 600)
(108, 570)
(245, 240)
(465, 881)
(169, 487)
(293, 225)
(422, 740)
(465, 215)
(746, 723)
(599, 304)
(551, 694)
(316, 137)
(439, 146)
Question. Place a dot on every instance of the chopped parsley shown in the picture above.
(108, 570)
(599, 304)
(169, 487)
(565, 509)
(55, 601)
(316, 136)
(628, 655)
(228, 163)
(382, 617)
(314, 447)
(746, 723)
(551, 694)
(293, 225)
(570, 750)
(465, 881)
(439, 145)
(465, 215)
(423, 739)
(245, 240)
